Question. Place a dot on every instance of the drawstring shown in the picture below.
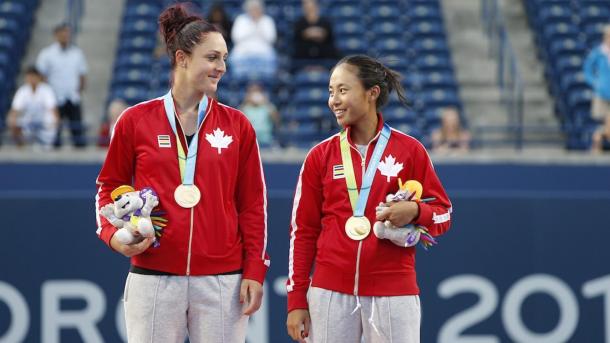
(358, 305)
(371, 320)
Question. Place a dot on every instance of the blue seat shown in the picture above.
(342, 10)
(424, 11)
(560, 30)
(594, 29)
(399, 114)
(390, 46)
(312, 78)
(387, 28)
(595, 14)
(134, 59)
(311, 95)
(132, 77)
(573, 81)
(430, 46)
(556, 12)
(138, 43)
(432, 62)
(132, 95)
(580, 100)
(139, 26)
(303, 114)
(9, 26)
(385, 11)
(143, 9)
(396, 61)
(439, 98)
(439, 80)
(16, 9)
(427, 29)
(348, 27)
(303, 135)
(7, 42)
(569, 63)
(351, 45)
(568, 46)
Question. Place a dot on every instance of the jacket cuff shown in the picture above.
(107, 232)
(425, 215)
(255, 270)
(297, 300)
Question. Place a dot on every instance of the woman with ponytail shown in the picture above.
(201, 273)
(364, 284)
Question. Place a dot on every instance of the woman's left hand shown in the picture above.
(251, 293)
(399, 213)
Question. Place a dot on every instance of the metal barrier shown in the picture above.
(74, 12)
(508, 73)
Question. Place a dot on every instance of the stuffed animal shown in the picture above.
(131, 213)
(410, 234)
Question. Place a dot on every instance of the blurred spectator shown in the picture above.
(33, 116)
(253, 55)
(601, 137)
(219, 17)
(64, 66)
(597, 74)
(450, 136)
(314, 43)
(115, 108)
(261, 112)
(160, 50)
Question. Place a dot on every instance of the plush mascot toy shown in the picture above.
(132, 212)
(408, 235)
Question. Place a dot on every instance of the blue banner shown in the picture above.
(524, 260)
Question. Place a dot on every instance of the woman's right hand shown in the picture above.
(130, 250)
(298, 324)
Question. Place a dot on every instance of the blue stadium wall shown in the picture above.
(526, 259)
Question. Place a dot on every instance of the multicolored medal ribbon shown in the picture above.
(358, 226)
(187, 194)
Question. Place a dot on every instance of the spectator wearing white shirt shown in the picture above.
(65, 68)
(253, 55)
(33, 116)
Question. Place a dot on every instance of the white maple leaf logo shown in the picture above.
(219, 140)
(389, 167)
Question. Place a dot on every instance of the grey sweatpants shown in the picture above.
(167, 308)
(337, 318)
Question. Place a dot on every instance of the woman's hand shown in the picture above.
(251, 292)
(298, 324)
(399, 213)
(130, 250)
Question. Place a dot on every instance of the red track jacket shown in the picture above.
(371, 267)
(227, 230)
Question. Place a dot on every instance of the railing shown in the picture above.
(508, 73)
(74, 12)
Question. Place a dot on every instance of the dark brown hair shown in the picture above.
(182, 29)
(372, 73)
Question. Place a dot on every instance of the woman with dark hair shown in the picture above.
(203, 275)
(364, 285)
(218, 16)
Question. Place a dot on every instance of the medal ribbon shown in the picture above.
(186, 163)
(358, 201)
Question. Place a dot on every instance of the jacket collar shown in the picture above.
(380, 123)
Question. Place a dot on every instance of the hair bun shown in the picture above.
(173, 19)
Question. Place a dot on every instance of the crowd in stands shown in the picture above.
(279, 60)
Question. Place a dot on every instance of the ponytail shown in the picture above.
(372, 73)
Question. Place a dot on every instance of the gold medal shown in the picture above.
(187, 196)
(357, 228)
